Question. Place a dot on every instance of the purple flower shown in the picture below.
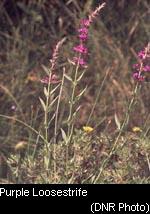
(81, 49)
(85, 22)
(92, 16)
(137, 76)
(136, 66)
(141, 54)
(146, 68)
(83, 33)
(83, 30)
(143, 66)
(83, 37)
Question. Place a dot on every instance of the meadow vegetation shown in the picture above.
(74, 103)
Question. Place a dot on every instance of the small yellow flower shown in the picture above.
(136, 129)
(32, 77)
(88, 129)
(20, 146)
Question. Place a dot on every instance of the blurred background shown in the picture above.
(28, 32)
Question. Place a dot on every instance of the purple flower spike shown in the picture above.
(81, 49)
(83, 37)
(143, 66)
(85, 22)
(136, 66)
(146, 68)
(83, 30)
(141, 54)
(138, 77)
(83, 33)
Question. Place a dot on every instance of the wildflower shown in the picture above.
(85, 22)
(83, 34)
(21, 145)
(88, 129)
(55, 53)
(146, 68)
(54, 79)
(143, 66)
(136, 129)
(83, 37)
(136, 66)
(138, 76)
(95, 13)
(81, 49)
(141, 54)
(83, 30)
(32, 77)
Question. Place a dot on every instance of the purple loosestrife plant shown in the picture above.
(81, 49)
(79, 60)
(142, 68)
(51, 77)
(47, 104)
(143, 57)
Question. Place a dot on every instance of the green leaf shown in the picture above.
(80, 77)
(117, 121)
(43, 104)
(82, 92)
(64, 136)
(53, 101)
(52, 91)
(76, 111)
(45, 92)
(52, 118)
(68, 78)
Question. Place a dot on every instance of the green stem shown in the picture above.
(70, 124)
(46, 109)
(47, 156)
(97, 97)
(56, 127)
